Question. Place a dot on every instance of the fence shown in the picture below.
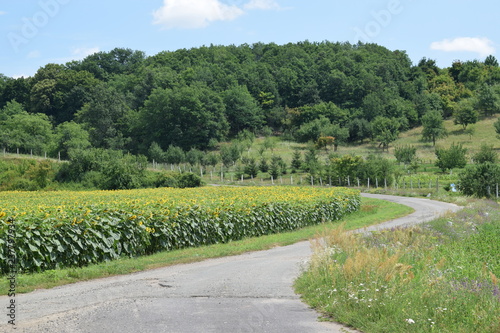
(419, 183)
(218, 175)
(45, 155)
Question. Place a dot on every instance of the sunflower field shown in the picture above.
(73, 229)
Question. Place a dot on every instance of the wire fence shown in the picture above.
(221, 175)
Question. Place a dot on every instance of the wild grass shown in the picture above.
(439, 277)
(482, 132)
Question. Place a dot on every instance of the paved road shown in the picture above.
(245, 293)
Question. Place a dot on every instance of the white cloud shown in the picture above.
(33, 54)
(262, 4)
(77, 53)
(2, 13)
(19, 76)
(193, 14)
(83, 52)
(483, 46)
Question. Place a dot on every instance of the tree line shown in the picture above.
(196, 98)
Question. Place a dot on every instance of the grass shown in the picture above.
(483, 133)
(372, 212)
(439, 277)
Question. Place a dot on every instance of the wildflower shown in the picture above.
(410, 321)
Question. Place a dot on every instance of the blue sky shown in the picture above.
(34, 33)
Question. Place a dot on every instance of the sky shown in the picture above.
(34, 33)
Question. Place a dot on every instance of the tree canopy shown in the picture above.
(191, 98)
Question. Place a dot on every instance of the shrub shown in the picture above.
(480, 180)
(453, 157)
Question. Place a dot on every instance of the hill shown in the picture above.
(123, 100)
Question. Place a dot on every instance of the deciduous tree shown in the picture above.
(433, 126)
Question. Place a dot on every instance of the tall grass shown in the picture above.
(441, 277)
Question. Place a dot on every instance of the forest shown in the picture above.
(195, 98)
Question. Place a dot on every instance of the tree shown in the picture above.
(194, 156)
(359, 129)
(263, 166)
(230, 153)
(251, 168)
(385, 131)
(106, 117)
(311, 163)
(210, 159)
(433, 125)
(405, 154)
(488, 100)
(106, 64)
(340, 135)
(242, 110)
(491, 61)
(496, 124)
(42, 173)
(429, 67)
(486, 154)
(184, 116)
(311, 131)
(70, 136)
(296, 161)
(60, 92)
(277, 167)
(324, 142)
(377, 167)
(29, 132)
(345, 166)
(174, 155)
(122, 172)
(10, 109)
(270, 143)
(308, 113)
(480, 179)
(465, 114)
(156, 153)
(453, 157)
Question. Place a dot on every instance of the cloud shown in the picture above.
(193, 14)
(19, 76)
(77, 53)
(33, 54)
(2, 13)
(483, 46)
(83, 52)
(262, 4)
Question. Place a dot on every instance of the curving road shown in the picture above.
(245, 293)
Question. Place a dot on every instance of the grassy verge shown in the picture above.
(440, 277)
(372, 212)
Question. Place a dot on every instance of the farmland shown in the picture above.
(70, 229)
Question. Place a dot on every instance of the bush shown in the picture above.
(480, 180)
(178, 180)
(167, 179)
(123, 173)
(453, 157)
(189, 179)
(485, 154)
